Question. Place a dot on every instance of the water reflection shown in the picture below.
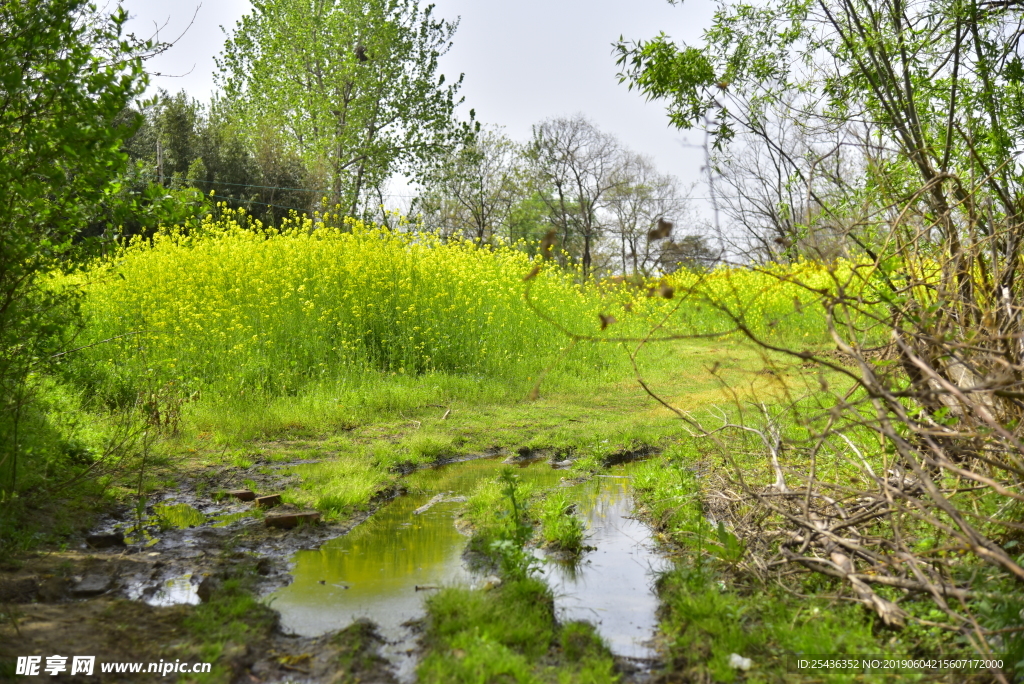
(179, 515)
(175, 591)
(374, 570)
(611, 586)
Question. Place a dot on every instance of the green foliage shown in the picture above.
(514, 529)
(68, 74)
(666, 486)
(475, 190)
(519, 615)
(313, 306)
(354, 84)
(232, 615)
(704, 623)
(184, 152)
(341, 485)
(509, 634)
(476, 659)
(561, 528)
(938, 81)
(580, 641)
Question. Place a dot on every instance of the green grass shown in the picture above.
(711, 609)
(338, 486)
(371, 352)
(508, 634)
(561, 529)
(232, 618)
(705, 621)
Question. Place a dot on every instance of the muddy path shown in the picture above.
(126, 593)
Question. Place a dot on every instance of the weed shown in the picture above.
(561, 528)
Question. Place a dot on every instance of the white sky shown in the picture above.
(523, 61)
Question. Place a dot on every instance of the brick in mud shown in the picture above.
(241, 494)
(268, 501)
(290, 520)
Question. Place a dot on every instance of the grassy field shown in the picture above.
(367, 352)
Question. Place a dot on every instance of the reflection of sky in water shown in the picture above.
(175, 591)
(612, 586)
(384, 559)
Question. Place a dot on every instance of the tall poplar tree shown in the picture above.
(353, 85)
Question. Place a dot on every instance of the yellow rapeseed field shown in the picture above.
(232, 306)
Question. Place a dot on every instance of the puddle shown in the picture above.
(229, 518)
(175, 591)
(611, 587)
(374, 571)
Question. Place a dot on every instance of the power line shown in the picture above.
(395, 195)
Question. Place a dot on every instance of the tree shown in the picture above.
(68, 74)
(579, 166)
(637, 200)
(353, 85)
(689, 251)
(935, 232)
(475, 189)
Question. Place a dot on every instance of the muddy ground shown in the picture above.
(121, 599)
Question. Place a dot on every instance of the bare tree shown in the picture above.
(580, 166)
(636, 201)
(779, 179)
(476, 188)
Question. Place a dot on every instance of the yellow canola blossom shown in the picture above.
(231, 304)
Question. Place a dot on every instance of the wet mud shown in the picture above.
(346, 597)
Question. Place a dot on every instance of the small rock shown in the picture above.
(105, 541)
(490, 582)
(241, 494)
(92, 585)
(268, 501)
(206, 588)
(264, 566)
(738, 662)
(290, 520)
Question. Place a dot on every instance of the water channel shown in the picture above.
(383, 568)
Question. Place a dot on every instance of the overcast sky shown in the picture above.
(523, 61)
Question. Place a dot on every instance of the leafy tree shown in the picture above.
(352, 84)
(940, 82)
(68, 75)
(184, 153)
